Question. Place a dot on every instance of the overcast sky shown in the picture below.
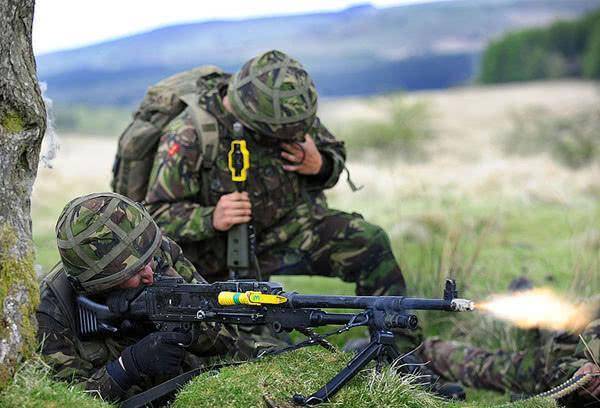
(61, 24)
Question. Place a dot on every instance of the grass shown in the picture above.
(406, 129)
(570, 139)
(33, 387)
(272, 382)
(91, 120)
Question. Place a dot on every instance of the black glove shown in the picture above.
(157, 354)
(118, 300)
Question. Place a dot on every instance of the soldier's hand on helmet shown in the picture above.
(593, 386)
(159, 353)
(232, 209)
(303, 158)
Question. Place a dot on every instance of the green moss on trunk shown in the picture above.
(12, 122)
(16, 273)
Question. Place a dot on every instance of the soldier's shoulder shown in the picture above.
(170, 250)
(182, 130)
(51, 307)
(167, 245)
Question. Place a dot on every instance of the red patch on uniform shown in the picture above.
(174, 149)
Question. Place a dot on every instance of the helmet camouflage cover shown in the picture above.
(104, 239)
(273, 95)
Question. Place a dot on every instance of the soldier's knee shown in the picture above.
(364, 230)
(376, 237)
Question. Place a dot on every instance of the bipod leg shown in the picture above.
(379, 342)
(379, 364)
(389, 352)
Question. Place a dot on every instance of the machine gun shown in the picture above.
(173, 305)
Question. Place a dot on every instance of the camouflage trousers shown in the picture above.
(335, 244)
(530, 371)
(313, 240)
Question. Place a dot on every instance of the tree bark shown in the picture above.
(22, 126)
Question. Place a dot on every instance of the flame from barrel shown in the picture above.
(538, 308)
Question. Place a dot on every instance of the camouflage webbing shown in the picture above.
(275, 93)
(207, 129)
(95, 267)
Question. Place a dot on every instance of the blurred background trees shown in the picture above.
(564, 49)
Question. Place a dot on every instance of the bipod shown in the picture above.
(381, 347)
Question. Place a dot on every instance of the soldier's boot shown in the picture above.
(356, 345)
(450, 391)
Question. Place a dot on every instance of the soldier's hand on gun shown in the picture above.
(303, 158)
(593, 386)
(159, 353)
(232, 209)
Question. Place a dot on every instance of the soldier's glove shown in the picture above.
(118, 300)
(157, 354)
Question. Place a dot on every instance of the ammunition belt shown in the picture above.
(562, 390)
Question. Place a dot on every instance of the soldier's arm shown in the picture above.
(174, 184)
(334, 159)
(60, 351)
(592, 387)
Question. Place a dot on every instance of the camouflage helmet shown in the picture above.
(104, 239)
(273, 95)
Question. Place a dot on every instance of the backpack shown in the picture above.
(161, 104)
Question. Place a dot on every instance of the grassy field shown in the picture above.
(459, 205)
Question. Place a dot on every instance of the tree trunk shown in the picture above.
(22, 126)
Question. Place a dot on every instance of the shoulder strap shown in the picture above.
(63, 291)
(207, 130)
(174, 384)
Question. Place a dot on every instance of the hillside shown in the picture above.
(359, 51)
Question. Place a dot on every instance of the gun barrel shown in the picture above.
(391, 303)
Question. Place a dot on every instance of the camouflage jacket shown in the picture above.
(182, 196)
(85, 361)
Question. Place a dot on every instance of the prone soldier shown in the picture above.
(107, 241)
(559, 357)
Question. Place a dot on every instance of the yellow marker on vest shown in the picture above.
(239, 160)
(249, 298)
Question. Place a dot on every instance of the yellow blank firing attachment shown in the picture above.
(249, 298)
(239, 160)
